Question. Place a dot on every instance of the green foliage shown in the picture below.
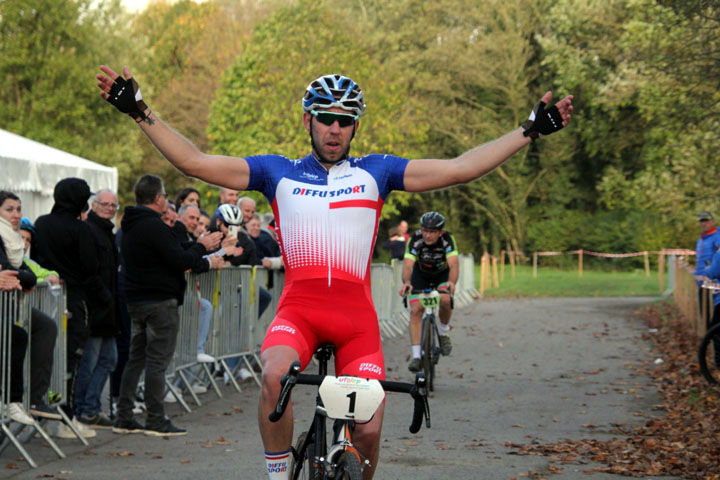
(49, 52)
(258, 110)
(629, 174)
(646, 75)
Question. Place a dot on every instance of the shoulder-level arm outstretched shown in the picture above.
(424, 175)
(123, 93)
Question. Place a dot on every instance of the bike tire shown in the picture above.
(709, 355)
(427, 360)
(306, 470)
(348, 467)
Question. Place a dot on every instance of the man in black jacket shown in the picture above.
(100, 353)
(155, 284)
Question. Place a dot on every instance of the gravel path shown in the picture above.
(522, 370)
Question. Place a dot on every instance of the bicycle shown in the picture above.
(709, 355)
(709, 350)
(347, 400)
(430, 338)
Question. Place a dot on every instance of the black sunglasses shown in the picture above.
(328, 118)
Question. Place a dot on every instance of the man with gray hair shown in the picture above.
(246, 205)
(187, 223)
(100, 354)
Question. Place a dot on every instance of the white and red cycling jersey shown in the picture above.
(327, 223)
(327, 220)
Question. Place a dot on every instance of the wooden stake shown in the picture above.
(580, 263)
(502, 265)
(496, 282)
(482, 275)
(661, 269)
(647, 264)
(535, 265)
(512, 264)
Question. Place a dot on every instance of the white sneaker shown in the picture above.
(205, 358)
(60, 430)
(16, 413)
(84, 430)
(244, 374)
(139, 408)
(170, 398)
(198, 388)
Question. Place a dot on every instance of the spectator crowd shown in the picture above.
(124, 280)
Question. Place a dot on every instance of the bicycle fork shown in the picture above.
(343, 443)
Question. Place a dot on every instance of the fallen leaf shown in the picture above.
(121, 454)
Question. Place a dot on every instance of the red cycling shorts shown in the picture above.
(311, 313)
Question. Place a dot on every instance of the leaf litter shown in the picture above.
(682, 440)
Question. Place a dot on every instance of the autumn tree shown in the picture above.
(258, 107)
(49, 53)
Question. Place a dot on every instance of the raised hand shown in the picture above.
(123, 93)
(544, 121)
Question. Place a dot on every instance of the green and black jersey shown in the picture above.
(431, 259)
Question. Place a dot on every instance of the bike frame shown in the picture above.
(429, 325)
(317, 434)
(323, 461)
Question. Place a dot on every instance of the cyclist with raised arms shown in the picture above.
(327, 206)
(431, 261)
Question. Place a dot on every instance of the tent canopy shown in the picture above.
(31, 170)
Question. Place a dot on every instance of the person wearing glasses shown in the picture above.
(100, 354)
(154, 266)
(326, 207)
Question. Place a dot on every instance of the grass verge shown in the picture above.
(566, 283)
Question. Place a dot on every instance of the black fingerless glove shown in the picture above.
(542, 122)
(125, 96)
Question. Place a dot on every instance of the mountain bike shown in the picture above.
(347, 400)
(430, 338)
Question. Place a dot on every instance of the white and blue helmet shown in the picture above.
(334, 91)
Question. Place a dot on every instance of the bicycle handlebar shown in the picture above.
(416, 390)
(288, 381)
(427, 290)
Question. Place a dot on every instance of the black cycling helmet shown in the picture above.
(432, 220)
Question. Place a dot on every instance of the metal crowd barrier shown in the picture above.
(465, 291)
(16, 309)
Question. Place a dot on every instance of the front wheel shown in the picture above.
(427, 353)
(709, 355)
(303, 466)
(348, 467)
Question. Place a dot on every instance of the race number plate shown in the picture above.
(431, 301)
(351, 398)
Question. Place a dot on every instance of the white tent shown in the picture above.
(31, 169)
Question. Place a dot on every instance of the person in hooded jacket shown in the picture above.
(155, 265)
(66, 244)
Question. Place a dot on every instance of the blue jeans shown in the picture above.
(98, 360)
(204, 319)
